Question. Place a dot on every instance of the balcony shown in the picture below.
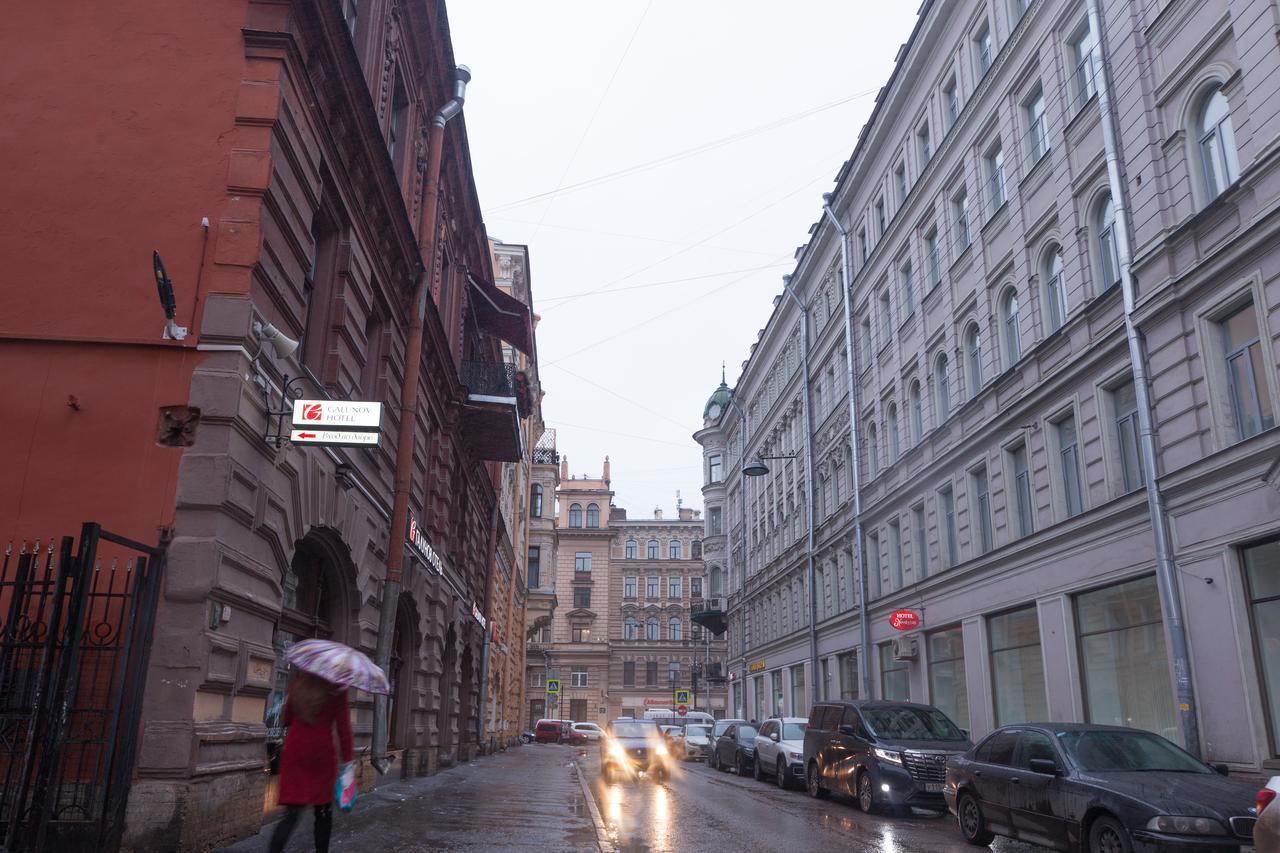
(491, 415)
(709, 613)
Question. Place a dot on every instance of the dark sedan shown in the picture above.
(735, 748)
(1097, 789)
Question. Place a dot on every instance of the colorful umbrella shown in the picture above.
(339, 664)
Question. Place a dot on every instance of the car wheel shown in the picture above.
(737, 764)
(813, 782)
(973, 826)
(756, 772)
(1107, 835)
(867, 800)
(780, 775)
(713, 760)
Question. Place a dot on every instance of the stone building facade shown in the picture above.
(1002, 495)
(541, 563)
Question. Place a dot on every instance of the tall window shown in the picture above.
(920, 542)
(973, 358)
(886, 317)
(1017, 667)
(891, 430)
(675, 586)
(651, 667)
(630, 628)
(1217, 144)
(982, 49)
(864, 341)
(582, 561)
(714, 468)
(874, 578)
(673, 628)
(1251, 407)
(714, 525)
(628, 673)
(1055, 295)
(942, 384)
(1022, 490)
(917, 412)
(947, 510)
(1082, 56)
(847, 664)
(629, 587)
(351, 10)
(900, 182)
(673, 672)
(629, 550)
(1012, 338)
(895, 680)
(960, 214)
(651, 549)
(575, 515)
(924, 145)
(695, 550)
(1069, 464)
(862, 245)
(895, 554)
(593, 515)
(1262, 574)
(873, 451)
(535, 501)
(933, 258)
(1037, 133)
(578, 676)
(947, 689)
(1124, 403)
(981, 509)
(695, 587)
(673, 549)
(908, 276)
(880, 219)
(1108, 255)
(799, 696)
(995, 177)
(535, 566)
(397, 130)
(651, 586)
(651, 628)
(582, 596)
(951, 102)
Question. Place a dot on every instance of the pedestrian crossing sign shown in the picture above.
(553, 685)
(682, 697)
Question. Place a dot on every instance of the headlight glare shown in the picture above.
(660, 750)
(616, 750)
(1186, 825)
(888, 755)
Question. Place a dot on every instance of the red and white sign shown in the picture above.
(904, 620)
(334, 437)
(682, 710)
(343, 414)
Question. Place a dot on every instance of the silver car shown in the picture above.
(780, 751)
(697, 742)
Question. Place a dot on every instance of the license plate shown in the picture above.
(933, 787)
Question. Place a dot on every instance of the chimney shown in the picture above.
(686, 513)
(697, 514)
(564, 467)
(657, 513)
(606, 470)
(617, 513)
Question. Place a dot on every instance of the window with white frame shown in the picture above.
(1218, 155)
(1037, 132)
(942, 387)
(629, 587)
(1068, 445)
(880, 218)
(629, 550)
(1022, 489)
(886, 317)
(873, 565)
(920, 542)
(651, 549)
(951, 102)
(1108, 254)
(1251, 408)
(715, 468)
(1055, 296)
(993, 162)
(900, 182)
(674, 586)
(981, 509)
(575, 515)
(973, 358)
(582, 561)
(714, 525)
(891, 432)
(673, 629)
(695, 587)
(895, 554)
(651, 628)
(960, 218)
(916, 412)
(864, 341)
(578, 677)
(948, 543)
(982, 49)
(1124, 408)
(924, 145)
(1010, 319)
(630, 628)
(593, 515)
(1081, 50)
(907, 275)
(673, 549)
(651, 586)
(933, 258)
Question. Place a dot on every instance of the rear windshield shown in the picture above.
(698, 731)
(745, 731)
(1119, 751)
(910, 724)
(794, 731)
(634, 728)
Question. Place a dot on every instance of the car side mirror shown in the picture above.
(1047, 766)
(1222, 769)
(848, 730)
(965, 732)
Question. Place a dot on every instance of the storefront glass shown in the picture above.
(1262, 570)
(1017, 667)
(849, 675)
(946, 675)
(895, 684)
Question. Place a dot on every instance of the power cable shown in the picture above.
(643, 237)
(683, 446)
(545, 299)
(613, 393)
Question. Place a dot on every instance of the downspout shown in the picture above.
(1166, 571)
(809, 480)
(409, 405)
(742, 518)
(855, 468)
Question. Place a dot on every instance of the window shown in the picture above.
(535, 566)
(817, 397)
(651, 586)
(1017, 667)
(1082, 57)
(886, 318)
(799, 699)
(1262, 576)
(891, 432)
(397, 130)
(973, 358)
(629, 550)
(1009, 316)
(847, 663)
(921, 543)
(1217, 144)
(1122, 658)
(651, 549)
(673, 672)
(907, 276)
(947, 690)
(628, 673)
(1055, 296)
(695, 587)
(1251, 407)
(916, 416)
(873, 451)
(895, 554)
(675, 586)
(319, 290)
(960, 213)
(651, 628)
(582, 596)
(351, 11)
(673, 549)
(593, 515)
(1019, 8)
(535, 501)
(673, 628)
(900, 182)
(714, 522)
(880, 220)
(994, 161)
(1022, 490)
(982, 49)
(947, 508)
(981, 509)
(1037, 133)
(933, 258)
(942, 384)
(895, 684)
(536, 677)
(651, 673)
(862, 245)
(714, 468)
(1064, 431)
(695, 550)
(578, 677)
(873, 565)
(951, 101)
(629, 587)
(575, 515)
(577, 709)
(1124, 405)
(582, 561)
(581, 634)
(864, 341)
(630, 628)
(1108, 254)
(924, 145)
(825, 684)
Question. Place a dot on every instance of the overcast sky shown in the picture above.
(727, 120)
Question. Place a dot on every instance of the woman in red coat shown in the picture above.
(309, 763)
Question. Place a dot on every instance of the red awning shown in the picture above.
(503, 316)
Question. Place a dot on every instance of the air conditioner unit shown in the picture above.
(905, 648)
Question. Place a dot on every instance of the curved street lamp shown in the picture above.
(757, 468)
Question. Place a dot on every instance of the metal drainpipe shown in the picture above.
(1166, 570)
(855, 469)
(809, 502)
(409, 407)
(742, 517)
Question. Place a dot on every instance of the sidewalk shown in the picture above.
(527, 798)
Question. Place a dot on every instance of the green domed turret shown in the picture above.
(718, 401)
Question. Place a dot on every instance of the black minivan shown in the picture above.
(886, 754)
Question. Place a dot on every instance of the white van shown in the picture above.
(656, 713)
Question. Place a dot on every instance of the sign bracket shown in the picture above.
(276, 432)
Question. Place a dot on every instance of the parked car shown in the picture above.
(735, 749)
(632, 747)
(526, 736)
(780, 750)
(1099, 789)
(886, 754)
(697, 742)
(589, 732)
(1266, 832)
(719, 726)
(548, 731)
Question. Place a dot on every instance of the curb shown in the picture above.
(602, 833)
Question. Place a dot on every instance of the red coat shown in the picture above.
(309, 764)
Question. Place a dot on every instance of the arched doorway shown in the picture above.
(444, 712)
(467, 733)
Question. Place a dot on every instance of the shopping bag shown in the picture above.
(344, 790)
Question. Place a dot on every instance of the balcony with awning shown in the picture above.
(491, 422)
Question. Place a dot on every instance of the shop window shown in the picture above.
(895, 684)
(1017, 667)
(1262, 576)
(947, 688)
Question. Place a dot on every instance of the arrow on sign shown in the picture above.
(306, 435)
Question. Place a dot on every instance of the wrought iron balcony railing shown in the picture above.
(489, 378)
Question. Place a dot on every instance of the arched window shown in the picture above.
(535, 501)
(891, 431)
(1108, 255)
(873, 450)
(695, 550)
(651, 628)
(942, 386)
(593, 515)
(630, 628)
(973, 358)
(673, 549)
(1009, 316)
(1217, 144)
(575, 515)
(651, 549)
(630, 551)
(1055, 295)
(673, 628)
(917, 412)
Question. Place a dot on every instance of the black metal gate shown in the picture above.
(75, 635)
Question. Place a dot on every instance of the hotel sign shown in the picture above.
(337, 414)
(758, 666)
(423, 548)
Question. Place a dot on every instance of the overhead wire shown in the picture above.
(547, 299)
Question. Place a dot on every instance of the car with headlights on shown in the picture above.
(735, 749)
(1097, 789)
(632, 747)
(697, 742)
(780, 751)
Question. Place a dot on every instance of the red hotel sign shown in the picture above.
(904, 620)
